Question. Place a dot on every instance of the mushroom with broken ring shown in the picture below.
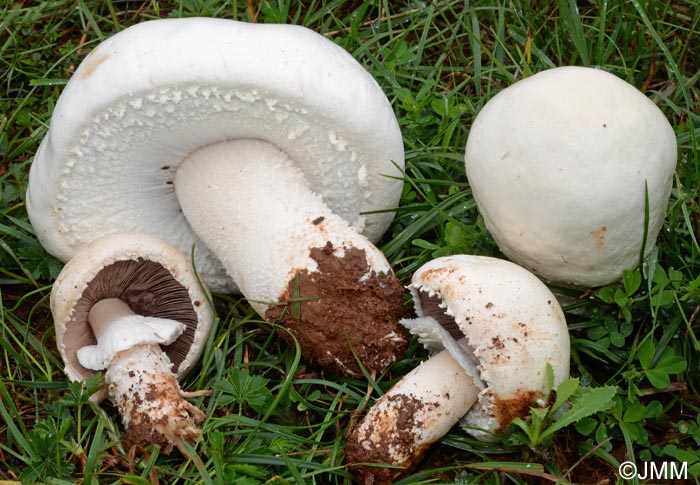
(494, 328)
(132, 307)
(268, 147)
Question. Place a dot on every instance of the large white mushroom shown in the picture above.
(131, 306)
(268, 147)
(559, 164)
(494, 328)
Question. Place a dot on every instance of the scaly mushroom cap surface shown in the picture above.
(152, 277)
(149, 96)
(558, 164)
(501, 323)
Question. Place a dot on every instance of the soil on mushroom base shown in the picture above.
(339, 308)
(142, 430)
(167, 430)
(403, 439)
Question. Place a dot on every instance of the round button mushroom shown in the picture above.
(131, 306)
(559, 164)
(494, 327)
(268, 147)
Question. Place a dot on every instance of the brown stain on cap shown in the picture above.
(506, 410)
(432, 273)
(599, 236)
(92, 62)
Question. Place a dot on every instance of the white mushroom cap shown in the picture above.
(558, 164)
(152, 277)
(512, 324)
(152, 94)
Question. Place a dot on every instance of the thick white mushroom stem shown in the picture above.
(253, 208)
(277, 239)
(412, 415)
(139, 377)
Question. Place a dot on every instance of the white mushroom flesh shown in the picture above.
(117, 328)
(494, 327)
(152, 405)
(513, 327)
(149, 96)
(143, 271)
(95, 301)
(162, 92)
(139, 376)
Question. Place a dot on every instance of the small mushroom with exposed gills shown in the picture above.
(131, 306)
(560, 164)
(494, 327)
(268, 147)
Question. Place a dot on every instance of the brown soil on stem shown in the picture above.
(341, 308)
(399, 434)
(150, 401)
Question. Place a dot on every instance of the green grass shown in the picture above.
(272, 419)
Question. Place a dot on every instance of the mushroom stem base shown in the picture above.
(411, 416)
(150, 401)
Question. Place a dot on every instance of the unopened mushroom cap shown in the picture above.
(152, 94)
(513, 326)
(152, 277)
(559, 163)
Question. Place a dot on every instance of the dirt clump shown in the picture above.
(401, 433)
(341, 307)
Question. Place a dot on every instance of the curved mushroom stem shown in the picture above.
(294, 259)
(140, 382)
(412, 415)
